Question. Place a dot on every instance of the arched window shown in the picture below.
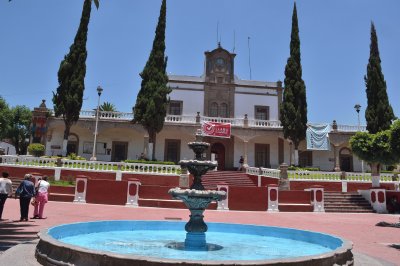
(214, 110)
(223, 110)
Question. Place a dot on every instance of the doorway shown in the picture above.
(219, 150)
(346, 160)
(119, 151)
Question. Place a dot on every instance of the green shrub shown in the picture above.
(149, 162)
(297, 168)
(36, 149)
(73, 156)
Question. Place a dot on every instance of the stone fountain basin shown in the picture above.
(51, 250)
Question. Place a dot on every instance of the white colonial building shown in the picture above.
(250, 107)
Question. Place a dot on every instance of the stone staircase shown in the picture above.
(232, 178)
(346, 202)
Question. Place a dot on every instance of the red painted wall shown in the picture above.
(248, 198)
(66, 174)
(154, 192)
(389, 196)
(102, 191)
(328, 186)
(159, 180)
(20, 172)
(293, 196)
(62, 190)
(268, 180)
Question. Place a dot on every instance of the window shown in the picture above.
(101, 148)
(220, 79)
(175, 108)
(213, 110)
(305, 159)
(223, 112)
(172, 150)
(261, 153)
(261, 112)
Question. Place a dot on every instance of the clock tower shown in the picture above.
(219, 89)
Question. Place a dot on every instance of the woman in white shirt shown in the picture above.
(42, 194)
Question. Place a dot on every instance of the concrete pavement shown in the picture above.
(371, 243)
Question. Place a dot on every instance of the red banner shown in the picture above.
(214, 129)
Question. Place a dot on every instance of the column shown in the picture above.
(336, 154)
(273, 198)
(80, 189)
(245, 164)
(132, 195)
(378, 199)
(223, 205)
(317, 198)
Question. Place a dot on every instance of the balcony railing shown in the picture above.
(191, 119)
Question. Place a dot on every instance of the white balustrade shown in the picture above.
(239, 122)
(314, 175)
(105, 115)
(358, 177)
(152, 168)
(265, 123)
(252, 170)
(270, 172)
(351, 128)
(184, 119)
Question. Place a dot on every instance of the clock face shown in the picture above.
(220, 62)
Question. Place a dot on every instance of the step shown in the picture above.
(350, 211)
(293, 207)
(61, 197)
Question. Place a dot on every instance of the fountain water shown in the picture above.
(197, 198)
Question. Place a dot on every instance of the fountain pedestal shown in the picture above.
(197, 198)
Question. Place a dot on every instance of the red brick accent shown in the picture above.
(373, 196)
(381, 197)
(248, 198)
(319, 196)
(106, 191)
(292, 196)
(132, 189)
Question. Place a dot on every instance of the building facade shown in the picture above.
(250, 107)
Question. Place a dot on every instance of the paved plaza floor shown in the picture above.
(371, 243)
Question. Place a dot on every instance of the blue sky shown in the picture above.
(335, 38)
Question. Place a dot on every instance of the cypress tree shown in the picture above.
(294, 105)
(71, 77)
(152, 100)
(379, 114)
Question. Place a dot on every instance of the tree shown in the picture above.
(107, 107)
(379, 114)
(19, 127)
(294, 106)
(71, 77)
(376, 149)
(5, 117)
(151, 103)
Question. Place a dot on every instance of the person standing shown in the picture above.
(25, 191)
(42, 194)
(241, 161)
(5, 191)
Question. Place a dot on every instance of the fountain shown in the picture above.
(197, 198)
(151, 243)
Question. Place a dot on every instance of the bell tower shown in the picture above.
(219, 89)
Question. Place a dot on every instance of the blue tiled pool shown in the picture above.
(150, 238)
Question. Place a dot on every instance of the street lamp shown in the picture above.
(99, 91)
(357, 107)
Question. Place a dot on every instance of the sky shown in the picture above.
(334, 36)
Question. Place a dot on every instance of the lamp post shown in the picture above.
(99, 91)
(357, 107)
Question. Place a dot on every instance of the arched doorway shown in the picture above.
(219, 150)
(346, 160)
(73, 144)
